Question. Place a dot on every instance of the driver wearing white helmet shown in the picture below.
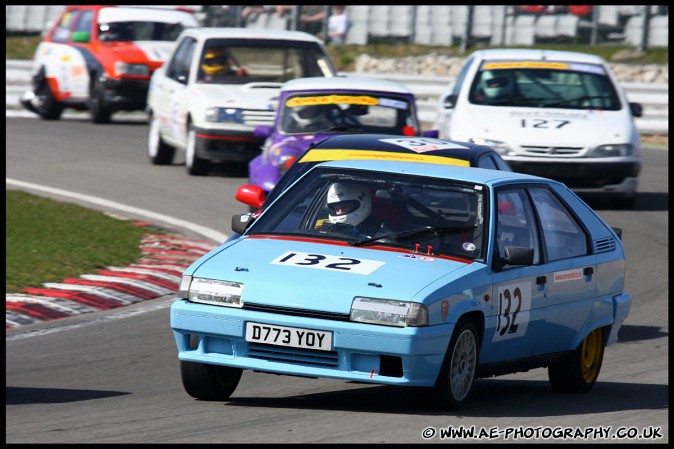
(310, 118)
(497, 85)
(351, 204)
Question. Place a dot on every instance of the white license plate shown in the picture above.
(293, 337)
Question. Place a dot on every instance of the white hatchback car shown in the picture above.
(218, 85)
(557, 114)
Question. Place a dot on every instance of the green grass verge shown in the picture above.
(48, 241)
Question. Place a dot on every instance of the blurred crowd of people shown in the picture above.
(581, 11)
(330, 23)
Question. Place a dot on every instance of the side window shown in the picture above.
(179, 66)
(564, 236)
(62, 31)
(515, 222)
(462, 76)
(84, 21)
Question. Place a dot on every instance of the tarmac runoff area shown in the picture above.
(156, 274)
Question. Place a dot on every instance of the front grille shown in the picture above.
(255, 117)
(297, 312)
(293, 355)
(531, 150)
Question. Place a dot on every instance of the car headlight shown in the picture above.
(211, 291)
(222, 115)
(501, 148)
(389, 312)
(122, 68)
(614, 150)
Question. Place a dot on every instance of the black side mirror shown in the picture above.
(450, 101)
(636, 109)
(514, 255)
(240, 222)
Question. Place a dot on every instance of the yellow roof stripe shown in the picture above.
(526, 65)
(343, 154)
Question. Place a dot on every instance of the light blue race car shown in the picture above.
(408, 274)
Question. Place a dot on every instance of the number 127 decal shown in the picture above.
(326, 262)
(542, 123)
(514, 304)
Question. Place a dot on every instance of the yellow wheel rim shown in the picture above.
(591, 355)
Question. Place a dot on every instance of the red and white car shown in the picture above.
(101, 58)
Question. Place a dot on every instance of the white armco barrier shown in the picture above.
(654, 98)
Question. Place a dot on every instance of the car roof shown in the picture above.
(537, 54)
(250, 33)
(138, 13)
(345, 83)
(341, 146)
(484, 176)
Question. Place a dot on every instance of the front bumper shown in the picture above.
(236, 145)
(361, 352)
(583, 176)
(125, 94)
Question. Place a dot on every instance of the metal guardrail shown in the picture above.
(653, 97)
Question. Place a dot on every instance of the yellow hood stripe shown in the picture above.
(339, 155)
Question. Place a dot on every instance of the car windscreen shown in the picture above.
(359, 112)
(420, 214)
(544, 85)
(264, 60)
(139, 31)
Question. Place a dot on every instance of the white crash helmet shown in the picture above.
(308, 117)
(354, 200)
(497, 84)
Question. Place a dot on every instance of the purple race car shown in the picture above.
(311, 109)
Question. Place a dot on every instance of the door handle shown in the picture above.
(588, 271)
(540, 280)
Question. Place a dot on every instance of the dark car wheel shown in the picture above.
(209, 382)
(457, 375)
(196, 166)
(47, 107)
(97, 109)
(578, 371)
(158, 152)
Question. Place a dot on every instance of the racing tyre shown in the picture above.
(578, 371)
(457, 375)
(97, 109)
(196, 166)
(45, 104)
(209, 382)
(158, 152)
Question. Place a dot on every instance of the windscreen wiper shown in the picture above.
(403, 235)
(584, 97)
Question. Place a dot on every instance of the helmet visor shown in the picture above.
(215, 61)
(343, 207)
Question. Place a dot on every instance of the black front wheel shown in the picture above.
(209, 382)
(195, 165)
(98, 110)
(47, 107)
(158, 151)
(457, 375)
